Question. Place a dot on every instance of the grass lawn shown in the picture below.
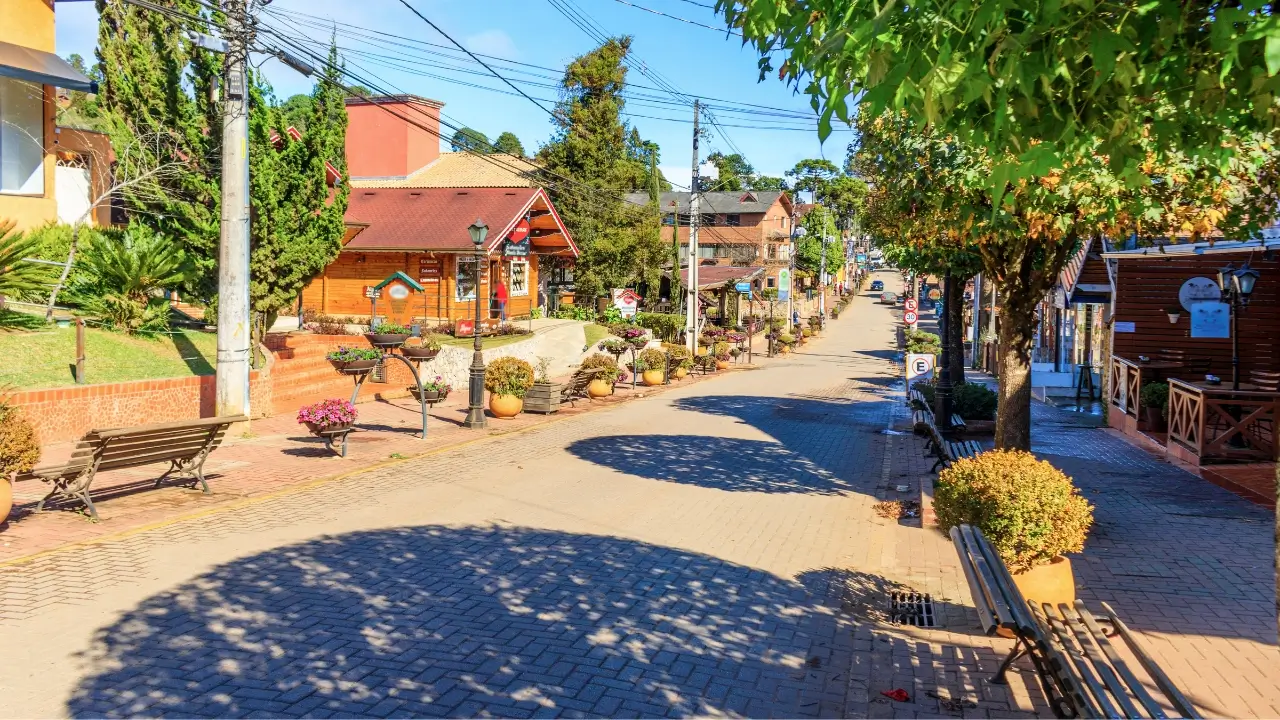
(595, 333)
(44, 358)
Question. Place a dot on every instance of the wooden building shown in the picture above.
(422, 232)
(1156, 290)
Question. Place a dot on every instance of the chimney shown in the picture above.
(391, 136)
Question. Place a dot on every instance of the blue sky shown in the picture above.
(693, 59)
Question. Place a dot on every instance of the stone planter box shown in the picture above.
(543, 398)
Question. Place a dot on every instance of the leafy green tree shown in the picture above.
(765, 183)
(297, 224)
(812, 176)
(470, 140)
(1035, 85)
(156, 83)
(620, 244)
(844, 196)
(508, 143)
(81, 109)
(819, 223)
(735, 173)
(296, 112)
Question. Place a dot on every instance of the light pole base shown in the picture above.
(476, 419)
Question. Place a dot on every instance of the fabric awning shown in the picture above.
(24, 63)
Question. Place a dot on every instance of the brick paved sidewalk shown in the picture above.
(265, 456)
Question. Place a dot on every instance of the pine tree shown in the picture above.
(620, 244)
(508, 143)
(154, 82)
(296, 227)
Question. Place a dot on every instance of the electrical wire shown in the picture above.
(730, 31)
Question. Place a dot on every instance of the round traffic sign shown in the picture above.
(909, 317)
(911, 304)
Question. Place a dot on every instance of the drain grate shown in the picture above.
(911, 608)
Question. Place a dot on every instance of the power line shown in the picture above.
(730, 31)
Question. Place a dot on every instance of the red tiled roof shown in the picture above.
(710, 276)
(437, 218)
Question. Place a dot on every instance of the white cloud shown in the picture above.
(492, 42)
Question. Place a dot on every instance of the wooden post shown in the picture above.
(80, 379)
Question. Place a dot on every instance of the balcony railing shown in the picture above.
(1224, 424)
(1126, 385)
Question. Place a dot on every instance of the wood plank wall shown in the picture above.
(1144, 288)
(339, 291)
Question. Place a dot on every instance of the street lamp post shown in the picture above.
(475, 391)
(1237, 286)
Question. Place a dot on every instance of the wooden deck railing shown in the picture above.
(1224, 424)
(1126, 385)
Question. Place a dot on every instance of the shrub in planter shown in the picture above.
(786, 339)
(19, 451)
(1029, 510)
(721, 351)
(652, 364)
(926, 388)
(1156, 395)
(608, 367)
(352, 360)
(427, 346)
(974, 401)
(327, 414)
(508, 376)
(614, 346)
(683, 358)
(390, 328)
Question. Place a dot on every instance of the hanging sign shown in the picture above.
(784, 284)
(919, 367)
(516, 248)
(430, 269)
(934, 294)
(371, 292)
(1125, 327)
(1198, 290)
(743, 287)
(1210, 320)
(520, 232)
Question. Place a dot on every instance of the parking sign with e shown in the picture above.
(911, 305)
(919, 367)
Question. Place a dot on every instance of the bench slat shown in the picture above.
(1013, 596)
(1061, 639)
(1166, 686)
(1100, 638)
(1098, 660)
(990, 621)
(203, 422)
(997, 600)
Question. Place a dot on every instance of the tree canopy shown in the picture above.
(1037, 85)
(470, 140)
(508, 143)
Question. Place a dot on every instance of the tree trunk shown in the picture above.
(1013, 423)
(955, 328)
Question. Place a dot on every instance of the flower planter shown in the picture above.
(383, 340)
(6, 497)
(322, 430)
(652, 377)
(1155, 420)
(429, 396)
(505, 407)
(599, 388)
(680, 373)
(418, 353)
(722, 364)
(354, 367)
(543, 398)
(1051, 583)
(976, 428)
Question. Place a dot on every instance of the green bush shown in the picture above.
(1029, 510)
(508, 376)
(680, 354)
(1156, 394)
(123, 272)
(721, 351)
(651, 359)
(19, 446)
(974, 401)
(605, 363)
(665, 326)
(390, 328)
(919, 341)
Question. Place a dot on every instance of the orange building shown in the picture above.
(29, 74)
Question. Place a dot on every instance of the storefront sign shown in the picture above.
(1210, 320)
(516, 249)
(464, 328)
(396, 291)
(1198, 290)
(1125, 327)
(627, 302)
(371, 292)
(520, 232)
(430, 269)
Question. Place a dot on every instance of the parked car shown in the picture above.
(888, 298)
(877, 285)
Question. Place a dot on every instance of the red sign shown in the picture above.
(520, 231)
(465, 328)
(911, 304)
(909, 317)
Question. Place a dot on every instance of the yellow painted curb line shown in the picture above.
(291, 490)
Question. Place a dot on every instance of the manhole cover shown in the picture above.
(911, 608)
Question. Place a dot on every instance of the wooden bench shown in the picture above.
(184, 445)
(576, 387)
(1078, 667)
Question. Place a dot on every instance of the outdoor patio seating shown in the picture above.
(184, 445)
(1079, 669)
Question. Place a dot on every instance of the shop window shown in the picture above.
(771, 282)
(733, 220)
(466, 278)
(21, 137)
(519, 274)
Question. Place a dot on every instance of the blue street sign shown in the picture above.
(743, 287)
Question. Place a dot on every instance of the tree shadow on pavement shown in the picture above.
(710, 462)
(437, 621)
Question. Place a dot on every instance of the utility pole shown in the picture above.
(822, 283)
(232, 372)
(791, 267)
(691, 311)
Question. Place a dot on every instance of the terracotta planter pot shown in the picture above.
(599, 388)
(354, 367)
(651, 377)
(505, 407)
(431, 396)
(419, 353)
(1155, 422)
(6, 497)
(680, 373)
(319, 430)
(722, 364)
(702, 350)
(1052, 583)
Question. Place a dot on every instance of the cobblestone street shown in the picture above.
(711, 550)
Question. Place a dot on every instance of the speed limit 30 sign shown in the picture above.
(909, 317)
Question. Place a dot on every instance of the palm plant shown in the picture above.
(18, 278)
(125, 270)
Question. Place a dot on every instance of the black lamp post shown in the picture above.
(944, 389)
(475, 391)
(1237, 286)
